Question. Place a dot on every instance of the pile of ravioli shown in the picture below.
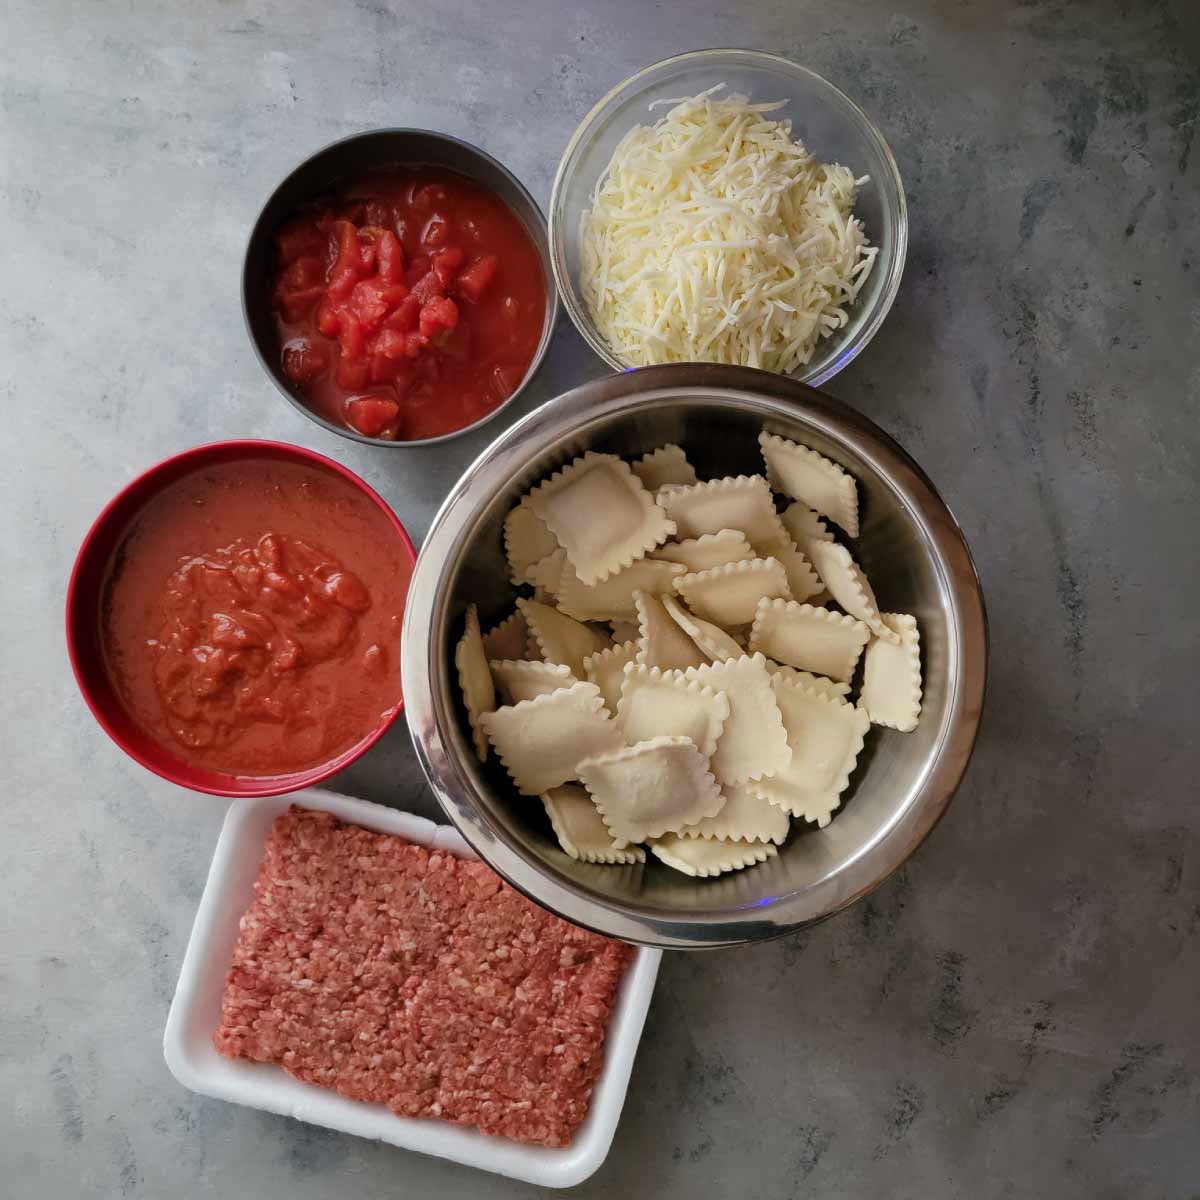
(680, 678)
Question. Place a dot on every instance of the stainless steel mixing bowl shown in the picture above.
(911, 548)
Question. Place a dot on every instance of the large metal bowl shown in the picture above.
(911, 548)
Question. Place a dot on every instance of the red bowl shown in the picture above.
(83, 620)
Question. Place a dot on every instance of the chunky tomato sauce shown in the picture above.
(409, 305)
(252, 617)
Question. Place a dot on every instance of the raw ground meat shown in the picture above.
(412, 978)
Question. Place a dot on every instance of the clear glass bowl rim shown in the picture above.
(826, 367)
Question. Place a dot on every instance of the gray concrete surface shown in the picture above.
(1015, 1013)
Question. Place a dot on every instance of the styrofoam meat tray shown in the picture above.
(196, 1008)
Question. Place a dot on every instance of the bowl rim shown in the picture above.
(447, 771)
(184, 775)
(575, 306)
(542, 233)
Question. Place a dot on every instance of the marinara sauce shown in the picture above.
(409, 305)
(251, 617)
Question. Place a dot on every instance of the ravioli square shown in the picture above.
(819, 683)
(729, 595)
(805, 475)
(708, 550)
(524, 679)
(612, 598)
(527, 540)
(704, 857)
(745, 817)
(654, 787)
(891, 688)
(753, 742)
(801, 578)
(741, 502)
(711, 640)
(601, 514)
(541, 741)
(810, 638)
(666, 465)
(580, 829)
(804, 525)
(546, 575)
(475, 679)
(606, 669)
(508, 639)
(661, 642)
(658, 703)
(849, 586)
(825, 736)
(557, 638)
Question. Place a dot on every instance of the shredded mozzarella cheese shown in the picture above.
(715, 236)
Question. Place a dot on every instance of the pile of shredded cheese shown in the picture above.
(715, 236)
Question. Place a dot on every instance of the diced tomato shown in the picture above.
(304, 272)
(304, 361)
(446, 262)
(390, 258)
(438, 314)
(353, 374)
(429, 288)
(384, 369)
(295, 306)
(348, 268)
(417, 269)
(416, 296)
(406, 316)
(342, 281)
(373, 299)
(298, 238)
(352, 338)
(391, 343)
(474, 280)
(346, 233)
(329, 319)
(371, 414)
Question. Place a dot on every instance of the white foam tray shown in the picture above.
(195, 1014)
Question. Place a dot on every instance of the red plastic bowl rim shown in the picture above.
(274, 785)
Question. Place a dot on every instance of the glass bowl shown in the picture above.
(827, 121)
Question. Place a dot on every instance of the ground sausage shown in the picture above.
(408, 977)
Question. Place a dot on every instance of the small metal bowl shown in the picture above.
(316, 176)
(911, 548)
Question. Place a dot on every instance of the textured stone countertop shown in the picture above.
(1017, 1011)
